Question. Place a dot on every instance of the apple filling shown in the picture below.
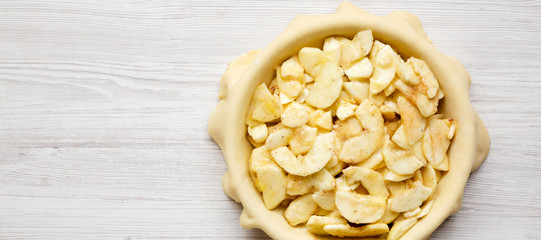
(348, 139)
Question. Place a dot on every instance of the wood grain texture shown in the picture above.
(104, 108)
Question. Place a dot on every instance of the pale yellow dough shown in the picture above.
(401, 30)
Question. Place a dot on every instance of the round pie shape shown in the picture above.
(402, 31)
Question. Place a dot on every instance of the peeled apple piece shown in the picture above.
(302, 139)
(389, 215)
(349, 52)
(320, 181)
(428, 79)
(360, 70)
(265, 107)
(292, 88)
(398, 160)
(258, 133)
(411, 198)
(292, 69)
(314, 160)
(345, 230)
(413, 122)
(359, 91)
(358, 208)
(359, 148)
(300, 210)
(295, 115)
(401, 227)
(332, 47)
(316, 223)
(363, 40)
(327, 86)
(325, 200)
(370, 179)
(312, 59)
(270, 179)
(435, 141)
(406, 73)
(278, 138)
(384, 69)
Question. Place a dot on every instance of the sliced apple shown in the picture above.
(374, 162)
(345, 110)
(360, 70)
(315, 159)
(320, 181)
(401, 227)
(429, 177)
(349, 52)
(398, 160)
(332, 47)
(411, 198)
(425, 208)
(400, 138)
(345, 230)
(278, 138)
(258, 133)
(268, 177)
(363, 40)
(325, 200)
(325, 121)
(292, 69)
(302, 96)
(334, 166)
(384, 69)
(327, 86)
(427, 107)
(359, 148)
(302, 139)
(435, 141)
(406, 73)
(295, 115)
(389, 215)
(265, 107)
(300, 210)
(358, 208)
(370, 179)
(428, 79)
(414, 123)
(312, 59)
(359, 91)
(316, 223)
(392, 176)
(292, 88)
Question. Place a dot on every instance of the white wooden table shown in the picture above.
(104, 108)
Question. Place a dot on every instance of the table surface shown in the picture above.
(104, 108)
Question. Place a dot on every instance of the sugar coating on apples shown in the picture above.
(347, 139)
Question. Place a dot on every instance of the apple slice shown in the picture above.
(265, 107)
(411, 198)
(327, 86)
(315, 159)
(320, 181)
(358, 208)
(359, 148)
(268, 177)
(363, 40)
(316, 223)
(413, 122)
(300, 210)
(384, 69)
(345, 230)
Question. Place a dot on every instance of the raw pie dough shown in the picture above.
(401, 30)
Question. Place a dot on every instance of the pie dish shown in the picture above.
(402, 31)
